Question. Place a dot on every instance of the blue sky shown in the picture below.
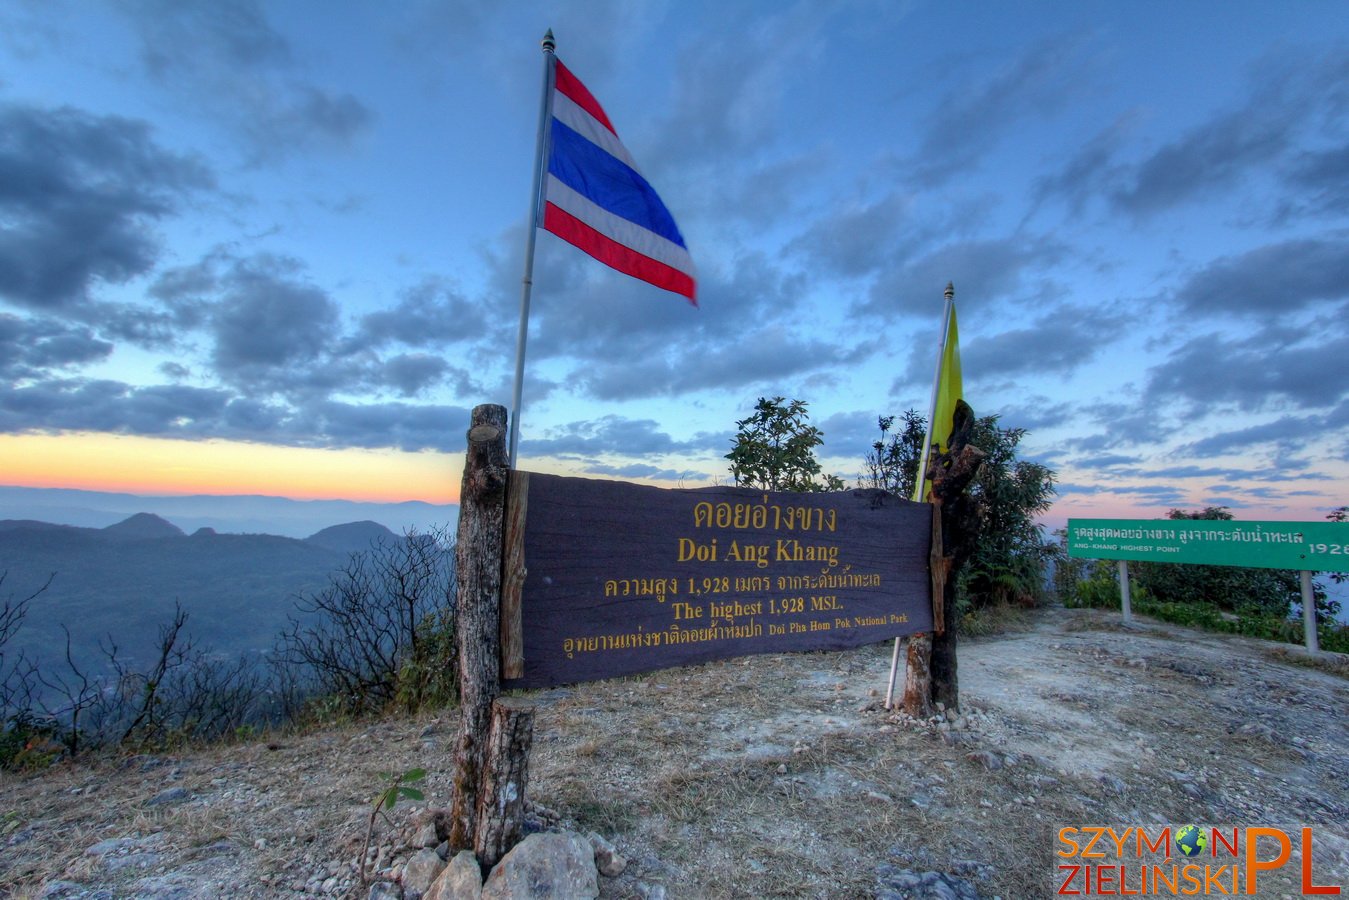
(299, 227)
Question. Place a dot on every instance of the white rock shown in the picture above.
(420, 873)
(564, 860)
(461, 880)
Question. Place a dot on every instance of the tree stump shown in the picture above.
(918, 676)
(501, 792)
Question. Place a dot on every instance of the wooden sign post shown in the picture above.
(565, 580)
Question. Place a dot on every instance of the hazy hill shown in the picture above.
(354, 537)
(142, 526)
(121, 582)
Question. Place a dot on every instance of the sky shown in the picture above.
(277, 248)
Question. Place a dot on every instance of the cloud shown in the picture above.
(971, 118)
(1287, 432)
(1091, 170)
(112, 406)
(610, 434)
(984, 270)
(643, 471)
(1264, 134)
(78, 194)
(269, 329)
(850, 434)
(269, 322)
(412, 373)
(1034, 414)
(1106, 461)
(1253, 373)
(622, 339)
(1161, 494)
(1212, 155)
(29, 347)
(1275, 278)
(767, 356)
(846, 243)
(1284, 100)
(187, 412)
(399, 425)
(226, 60)
(1058, 342)
(1317, 185)
(428, 314)
(732, 90)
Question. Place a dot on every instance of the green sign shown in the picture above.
(1304, 546)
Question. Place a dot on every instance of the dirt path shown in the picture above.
(771, 776)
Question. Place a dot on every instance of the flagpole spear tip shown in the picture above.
(548, 44)
(950, 289)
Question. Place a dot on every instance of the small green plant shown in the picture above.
(387, 799)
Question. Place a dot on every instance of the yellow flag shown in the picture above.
(949, 389)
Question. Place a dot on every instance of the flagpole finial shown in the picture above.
(548, 44)
(950, 290)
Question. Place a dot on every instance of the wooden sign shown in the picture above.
(622, 578)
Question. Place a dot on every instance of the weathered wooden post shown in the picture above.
(930, 674)
(482, 505)
(491, 759)
(501, 797)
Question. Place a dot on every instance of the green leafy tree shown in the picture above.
(1010, 555)
(775, 449)
(892, 461)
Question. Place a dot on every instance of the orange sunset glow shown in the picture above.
(145, 465)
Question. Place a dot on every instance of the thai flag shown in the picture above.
(595, 198)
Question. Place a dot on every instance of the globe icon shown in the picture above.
(1191, 840)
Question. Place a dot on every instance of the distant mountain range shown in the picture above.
(119, 583)
(225, 513)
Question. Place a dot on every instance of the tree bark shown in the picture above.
(918, 676)
(951, 473)
(478, 561)
(501, 794)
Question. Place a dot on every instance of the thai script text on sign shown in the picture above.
(1304, 546)
(624, 578)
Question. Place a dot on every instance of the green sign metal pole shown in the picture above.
(1125, 605)
(1309, 613)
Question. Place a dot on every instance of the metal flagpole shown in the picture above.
(922, 458)
(545, 113)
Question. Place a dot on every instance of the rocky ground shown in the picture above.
(770, 776)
